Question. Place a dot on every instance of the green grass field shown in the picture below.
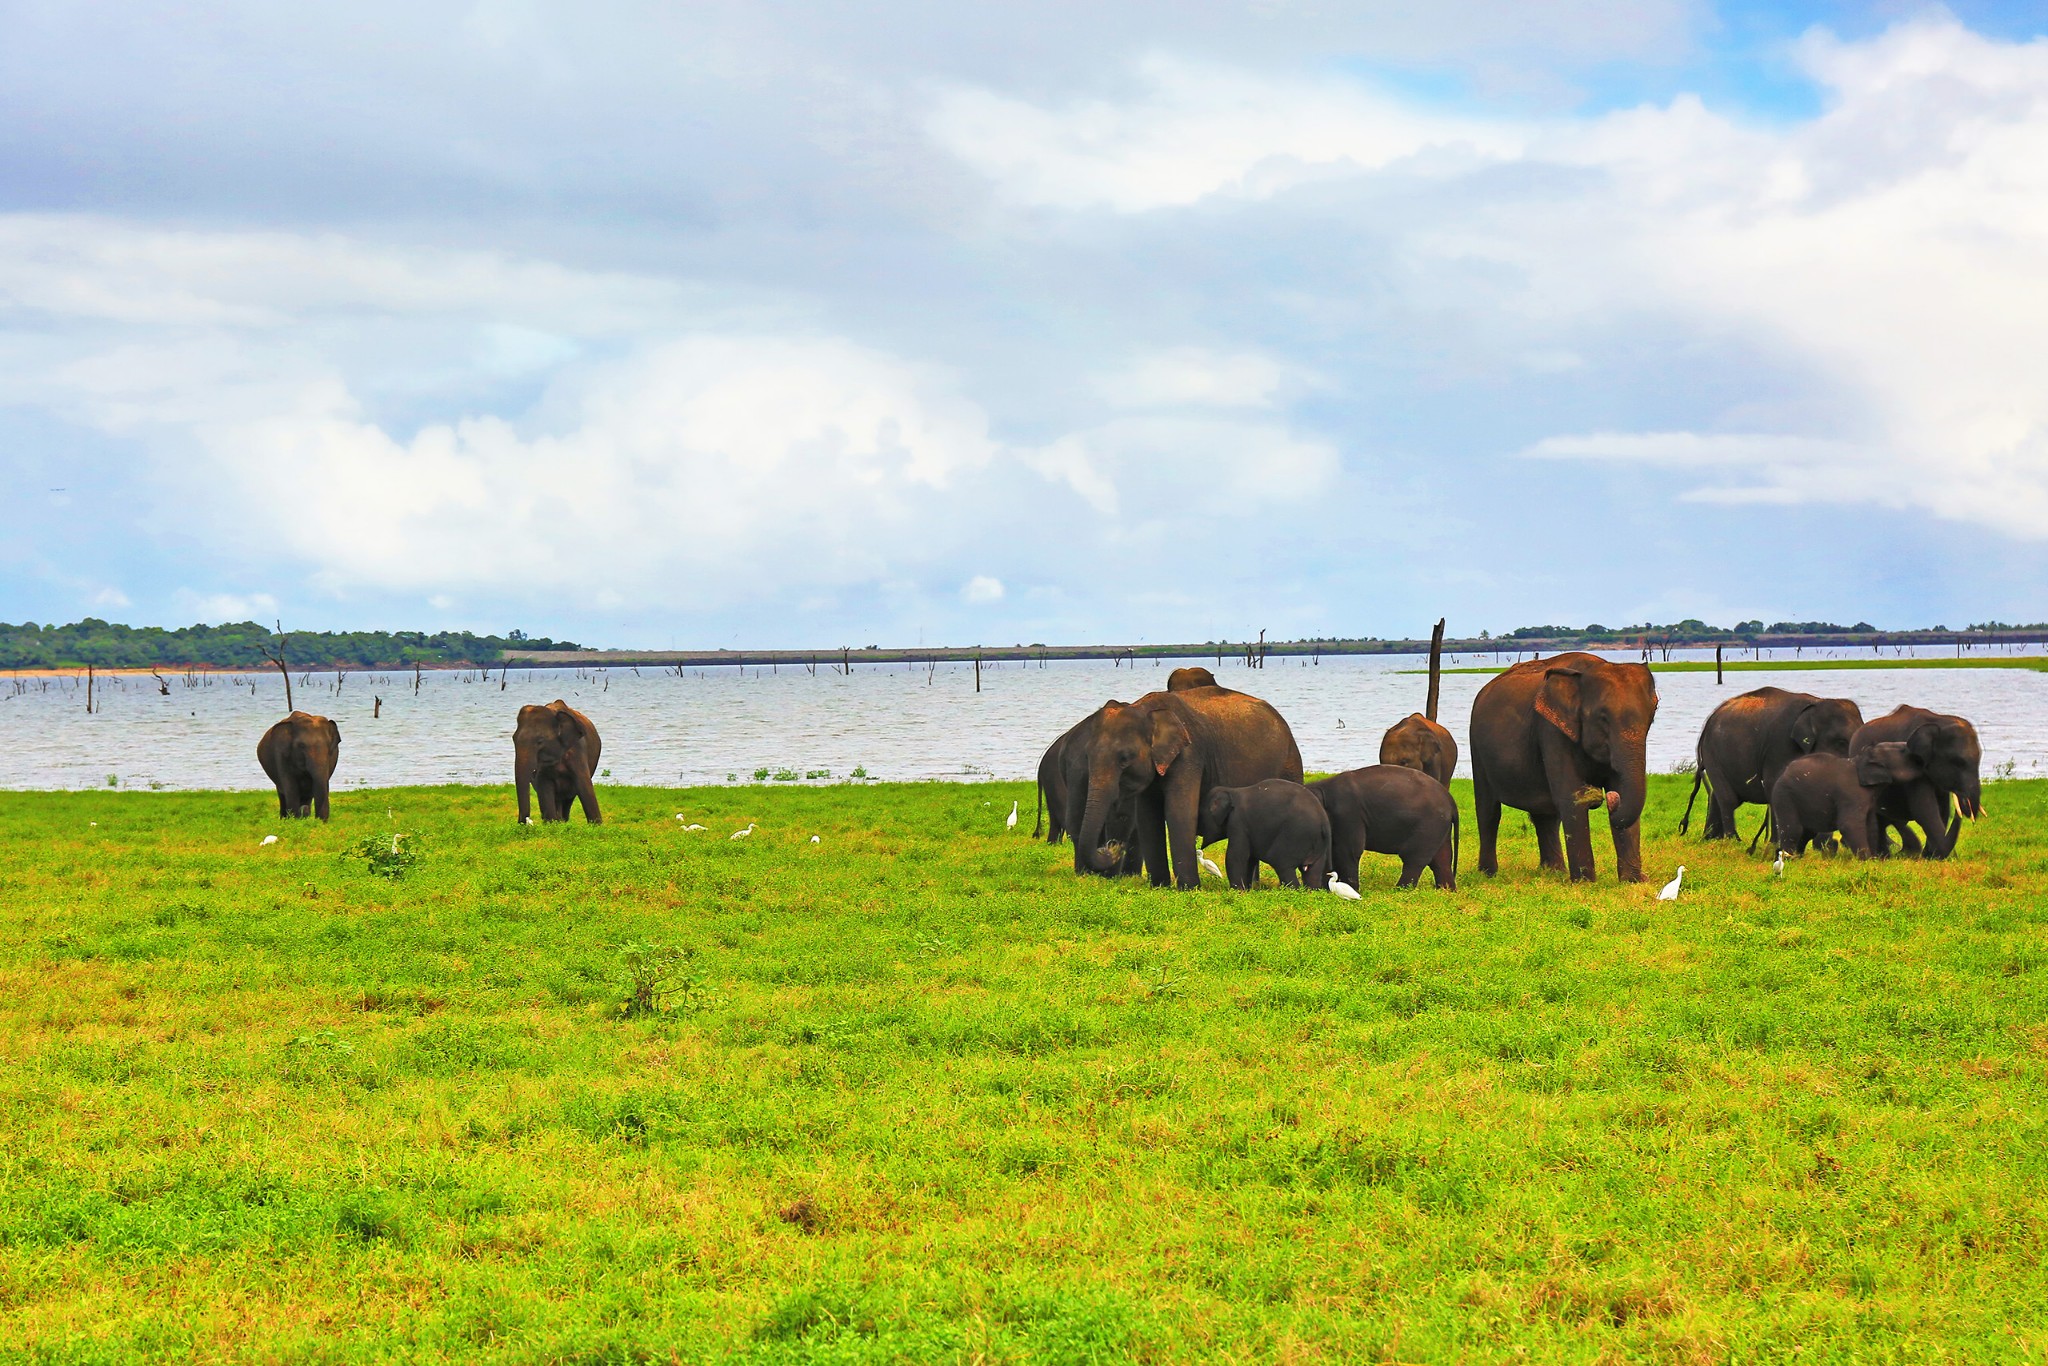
(917, 1093)
(2032, 663)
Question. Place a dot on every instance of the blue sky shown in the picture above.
(804, 324)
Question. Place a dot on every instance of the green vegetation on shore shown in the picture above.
(241, 645)
(918, 1093)
(2035, 663)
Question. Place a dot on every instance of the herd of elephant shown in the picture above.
(1135, 785)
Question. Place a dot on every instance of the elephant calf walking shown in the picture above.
(299, 755)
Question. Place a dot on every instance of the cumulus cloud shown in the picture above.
(1196, 131)
(1195, 376)
(981, 590)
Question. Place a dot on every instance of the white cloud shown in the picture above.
(1193, 376)
(1172, 469)
(110, 597)
(981, 590)
(221, 608)
(1196, 131)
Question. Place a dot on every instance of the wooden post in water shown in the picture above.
(1436, 667)
(88, 690)
(1717, 666)
(977, 668)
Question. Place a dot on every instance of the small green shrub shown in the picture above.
(385, 855)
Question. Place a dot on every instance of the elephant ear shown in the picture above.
(333, 732)
(1558, 701)
(1925, 741)
(1805, 722)
(568, 729)
(1890, 762)
(1169, 738)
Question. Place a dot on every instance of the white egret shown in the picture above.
(1670, 892)
(742, 834)
(1011, 824)
(1211, 869)
(270, 839)
(814, 839)
(691, 826)
(1343, 889)
(1778, 864)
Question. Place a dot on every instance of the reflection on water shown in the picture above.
(895, 722)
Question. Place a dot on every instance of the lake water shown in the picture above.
(896, 723)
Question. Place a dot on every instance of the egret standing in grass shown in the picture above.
(1343, 889)
(1011, 824)
(267, 839)
(814, 839)
(1210, 868)
(1778, 864)
(742, 834)
(1670, 892)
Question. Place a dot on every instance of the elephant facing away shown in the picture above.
(1391, 809)
(555, 749)
(1164, 753)
(1419, 743)
(1749, 740)
(1190, 676)
(1933, 781)
(1557, 737)
(299, 754)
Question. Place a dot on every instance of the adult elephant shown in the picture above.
(1419, 743)
(299, 753)
(1163, 753)
(1557, 737)
(555, 749)
(1190, 676)
(1062, 776)
(1934, 775)
(1749, 739)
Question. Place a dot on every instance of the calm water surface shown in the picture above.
(896, 723)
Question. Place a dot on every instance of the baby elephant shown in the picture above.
(1819, 794)
(1275, 822)
(1387, 809)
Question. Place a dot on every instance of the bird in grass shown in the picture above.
(814, 839)
(1670, 892)
(1778, 864)
(270, 839)
(1011, 824)
(1343, 889)
(742, 834)
(691, 826)
(1210, 868)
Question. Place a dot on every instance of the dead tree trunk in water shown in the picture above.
(1436, 667)
(277, 657)
(88, 690)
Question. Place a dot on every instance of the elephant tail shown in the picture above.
(1038, 812)
(1699, 779)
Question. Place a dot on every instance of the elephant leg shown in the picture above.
(1288, 869)
(1549, 849)
(1628, 852)
(1150, 825)
(1182, 803)
(1443, 869)
(320, 800)
(519, 780)
(1927, 808)
(550, 799)
(1577, 824)
(1485, 811)
(586, 793)
(1411, 870)
(1240, 865)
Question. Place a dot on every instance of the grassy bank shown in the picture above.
(916, 1092)
(2034, 663)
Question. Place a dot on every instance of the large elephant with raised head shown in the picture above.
(1932, 781)
(555, 749)
(1557, 737)
(1163, 753)
(299, 754)
(1419, 743)
(1749, 739)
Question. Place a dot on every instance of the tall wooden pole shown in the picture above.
(1436, 667)
(1717, 666)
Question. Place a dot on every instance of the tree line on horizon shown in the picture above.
(243, 644)
(247, 644)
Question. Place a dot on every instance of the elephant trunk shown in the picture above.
(1631, 787)
(1088, 839)
(1969, 797)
